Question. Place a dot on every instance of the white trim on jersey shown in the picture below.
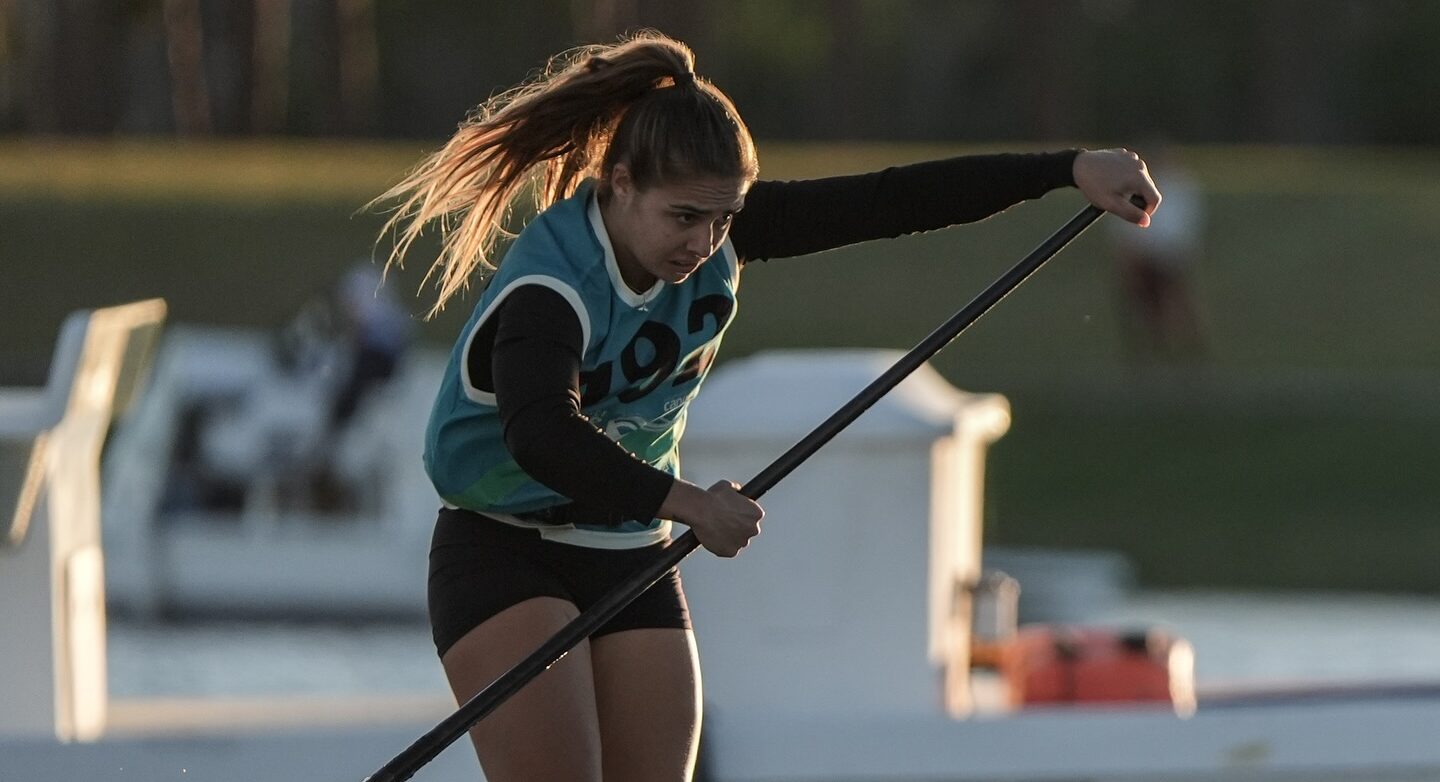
(588, 538)
(559, 286)
(727, 250)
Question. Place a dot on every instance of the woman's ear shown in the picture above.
(622, 184)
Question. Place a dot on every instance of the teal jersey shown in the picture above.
(645, 356)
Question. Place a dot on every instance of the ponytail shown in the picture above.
(637, 102)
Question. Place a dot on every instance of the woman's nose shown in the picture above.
(701, 241)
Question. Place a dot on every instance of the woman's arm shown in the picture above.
(535, 366)
(535, 370)
(784, 219)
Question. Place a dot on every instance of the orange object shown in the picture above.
(1060, 665)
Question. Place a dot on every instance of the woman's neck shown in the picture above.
(636, 278)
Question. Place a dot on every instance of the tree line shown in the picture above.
(1226, 71)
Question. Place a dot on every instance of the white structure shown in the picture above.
(855, 599)
(264, 425)
(52, 587)
(836, 645)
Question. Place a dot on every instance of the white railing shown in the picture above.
(52, 586)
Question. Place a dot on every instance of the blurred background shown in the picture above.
(1248, 399)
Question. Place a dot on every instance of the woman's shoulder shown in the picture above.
(570, 210)
(559, 238)
(563, 226)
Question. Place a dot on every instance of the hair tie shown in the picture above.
(684, 78)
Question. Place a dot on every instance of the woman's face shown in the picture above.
(666, 231)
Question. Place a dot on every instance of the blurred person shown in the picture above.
(553, 438)
(375, 331)
(1159, 316)
(370, 334)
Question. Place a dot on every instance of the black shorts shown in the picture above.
(480, 566)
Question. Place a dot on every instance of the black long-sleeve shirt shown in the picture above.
(535, 355)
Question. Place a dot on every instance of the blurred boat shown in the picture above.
(228, 491)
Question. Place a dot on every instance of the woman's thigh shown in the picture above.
(647, 693)
(550, 728)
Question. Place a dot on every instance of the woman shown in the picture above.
(553, 438)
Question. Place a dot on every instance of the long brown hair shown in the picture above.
(636, 102)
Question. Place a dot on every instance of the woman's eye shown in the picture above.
(685, 218)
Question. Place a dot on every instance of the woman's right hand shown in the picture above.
(723, 519)
(1109, 177)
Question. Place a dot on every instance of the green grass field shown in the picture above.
(1296, 455)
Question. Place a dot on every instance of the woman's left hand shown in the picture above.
(1109, 177)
